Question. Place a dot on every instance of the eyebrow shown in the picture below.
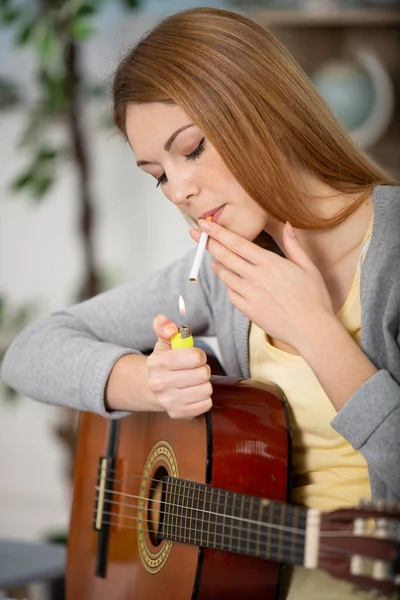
(168, 143)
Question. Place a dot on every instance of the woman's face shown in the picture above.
(190, 172)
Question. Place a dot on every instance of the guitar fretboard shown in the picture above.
(195, 513)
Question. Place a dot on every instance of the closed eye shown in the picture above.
(198, 151)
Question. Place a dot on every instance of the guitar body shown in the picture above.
(242, 445)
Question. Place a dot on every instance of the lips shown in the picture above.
(212, 212)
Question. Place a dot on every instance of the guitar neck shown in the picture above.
(195, 513)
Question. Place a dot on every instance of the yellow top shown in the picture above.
(327, 471)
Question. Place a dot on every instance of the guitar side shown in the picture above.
(241, 446)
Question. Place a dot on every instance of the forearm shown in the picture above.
(338, 362)
(127, 387)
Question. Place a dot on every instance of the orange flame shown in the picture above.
(182, 308)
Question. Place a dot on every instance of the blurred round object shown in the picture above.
(177, 5)
(360, 94)
(348, 91)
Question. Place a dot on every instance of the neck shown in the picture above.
(213, 518)
(328, 248)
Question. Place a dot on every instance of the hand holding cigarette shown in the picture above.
(199, 255)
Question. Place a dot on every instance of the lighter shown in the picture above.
(183, 339)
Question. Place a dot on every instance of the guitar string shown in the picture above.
(328, 549)
(241, 519)
(206, 487)
(194, 518)
(278, 543)
(324, 533)
(334, 533)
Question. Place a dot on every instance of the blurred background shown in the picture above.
(77, 216)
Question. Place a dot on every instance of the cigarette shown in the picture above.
(199, 255)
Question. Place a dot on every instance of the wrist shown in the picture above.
(319, 331)
(128, 388)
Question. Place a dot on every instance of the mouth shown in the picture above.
(212, 212)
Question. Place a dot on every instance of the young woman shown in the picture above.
(304, 289)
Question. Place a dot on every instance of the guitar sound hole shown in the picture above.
(155, 506)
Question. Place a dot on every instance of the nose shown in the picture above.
(182, 189)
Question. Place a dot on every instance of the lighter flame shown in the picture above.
(182, 308)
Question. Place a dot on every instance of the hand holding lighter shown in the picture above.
(183, 339)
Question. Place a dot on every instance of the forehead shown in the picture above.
(152, 123)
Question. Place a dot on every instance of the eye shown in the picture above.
(162, 179)
(197, 151)
(192, 156)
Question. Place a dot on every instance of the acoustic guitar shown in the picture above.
(196, 510)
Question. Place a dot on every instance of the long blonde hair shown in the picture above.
(254, 103)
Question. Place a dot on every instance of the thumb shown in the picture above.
(165, 329)
(294, 250)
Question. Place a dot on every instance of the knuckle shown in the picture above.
(205, 372)
(156, 385)
(236, 247)
(201, 357)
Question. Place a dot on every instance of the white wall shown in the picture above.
(137, 232)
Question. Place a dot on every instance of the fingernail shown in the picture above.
(290, 229)
(170, 330)
(204, 224)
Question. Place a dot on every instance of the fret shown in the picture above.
(281, 532)
(171, 499)
(224, 520)
(179, 509)
(167, 510)
(218, 544)
(183, 511)
(239, 522)
(191, 533)
(175, 510)
(249, 529)
(209, 516)
(293, 537)
(201, 512)
(259, 519)
(268, 529)
(232, 522)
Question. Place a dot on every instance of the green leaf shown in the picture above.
(86, 10)
(9, 15)
(23, 180)
(25, 33)
(80, 29)
(41, 186)
(46, 154)
(46, 44)
(130, 3)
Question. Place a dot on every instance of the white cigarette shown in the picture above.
(198, 257)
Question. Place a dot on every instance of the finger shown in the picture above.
(191, 411)
(162, 380)
(295, 251)
(165, 329)
(233, 241)
(229, 259)
(233, 281)
(174, 360)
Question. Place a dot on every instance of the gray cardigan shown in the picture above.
(66, 358)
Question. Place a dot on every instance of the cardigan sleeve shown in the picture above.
(370, 421)
(66, 358)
